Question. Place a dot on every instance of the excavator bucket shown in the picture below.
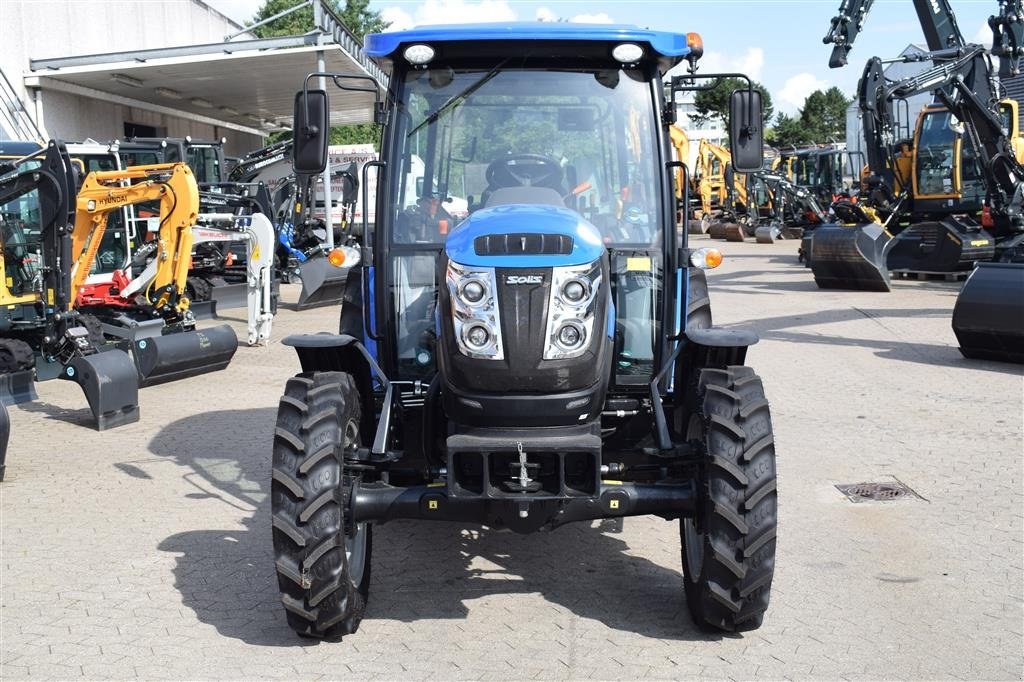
(717, 229)
(322, 283)
(940, 247)
(17, 388)
(988, 318)
(227, 296)
(735, 232)
(5, 435)
(850, 257)
(170, 357)
(767, 234)
(110, 384)
(699, 225)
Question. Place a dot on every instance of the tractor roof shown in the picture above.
(667, 45)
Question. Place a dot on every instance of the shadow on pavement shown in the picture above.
(420, 570)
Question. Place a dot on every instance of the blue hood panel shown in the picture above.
(662, 42)
(587, 246)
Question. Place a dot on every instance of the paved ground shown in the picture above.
(145, 551)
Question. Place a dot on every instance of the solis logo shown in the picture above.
(524, 279)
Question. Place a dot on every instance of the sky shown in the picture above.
(777, 42)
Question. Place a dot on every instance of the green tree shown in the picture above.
(355, 14)
(357, 17)
(789, 132)
(714, 102)
(824, 115)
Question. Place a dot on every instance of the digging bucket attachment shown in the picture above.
(940, 246)
(850, 257)
(322, 283)
(227, 296)
(18, 387)
(718, 229)
(988, 318)
(181, 355)
(767, 234)
(5, 436)
(735, 232)
(110, 384)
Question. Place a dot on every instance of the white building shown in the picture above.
(109, 70)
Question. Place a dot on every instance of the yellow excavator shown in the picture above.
(152, 313)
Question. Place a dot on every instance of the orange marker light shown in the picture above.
(336, 257)
(713, 258)
(696, 45)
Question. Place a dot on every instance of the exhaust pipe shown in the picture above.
(988, 317)
(850, 257)
(111, 386)
(180, 355)
(322, 283)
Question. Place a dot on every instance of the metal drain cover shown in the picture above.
(882, 491)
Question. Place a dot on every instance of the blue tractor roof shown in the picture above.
(665, 44)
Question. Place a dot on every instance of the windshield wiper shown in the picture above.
(458, 99)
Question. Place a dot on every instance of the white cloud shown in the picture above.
(796, 89)
(984, 35)
(601, 18)
(449, 12)
(545, 14)
(750, 62)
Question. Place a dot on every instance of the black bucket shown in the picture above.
(988, 318)
(322, 283)
(184, 354)
(110, 384)
(5, 436)
(767, 234)
(18, 387)
(227, 296)
(850, 257)
(735, 232)
(940, 246)
(717, 229)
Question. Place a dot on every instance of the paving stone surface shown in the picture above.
(145, 551)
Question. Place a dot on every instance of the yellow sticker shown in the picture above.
(638, 264)
(49, 296)
(613, 504)
(256, 253)
(979, 242)
(431, 504)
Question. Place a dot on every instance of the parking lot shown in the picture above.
(145, 551)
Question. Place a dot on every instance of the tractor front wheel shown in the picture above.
(323, 562)
(728, 548)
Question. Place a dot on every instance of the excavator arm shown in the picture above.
(1008, 36)
(936, 16)
(102, 193)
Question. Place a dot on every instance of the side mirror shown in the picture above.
(746, 131)
(309, 132)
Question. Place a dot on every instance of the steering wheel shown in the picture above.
(524, 170)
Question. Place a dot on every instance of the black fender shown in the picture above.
(326, 352)
(716, 347)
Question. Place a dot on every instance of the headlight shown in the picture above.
(474, 311)
(571, 310)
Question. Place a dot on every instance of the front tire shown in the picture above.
(323, 564)
(728, 548)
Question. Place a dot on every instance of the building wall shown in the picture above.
(39, 29)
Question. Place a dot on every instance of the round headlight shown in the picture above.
(571, 336)
(473, 291)
(477, 336)
(574, 291)
(418, 54)
(628, 53)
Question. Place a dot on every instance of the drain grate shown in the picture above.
(882, 491)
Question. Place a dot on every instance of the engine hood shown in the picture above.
(524, 236)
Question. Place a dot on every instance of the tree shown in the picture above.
(790, 132)
(357, 17)
(355, 14)
(824, 115)
(714, 102)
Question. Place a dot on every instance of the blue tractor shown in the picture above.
(544, 357)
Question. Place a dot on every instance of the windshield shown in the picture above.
(205, 163)
(22, 242)
(935, 155)
(585, 138)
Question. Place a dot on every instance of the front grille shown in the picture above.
(523, 244)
